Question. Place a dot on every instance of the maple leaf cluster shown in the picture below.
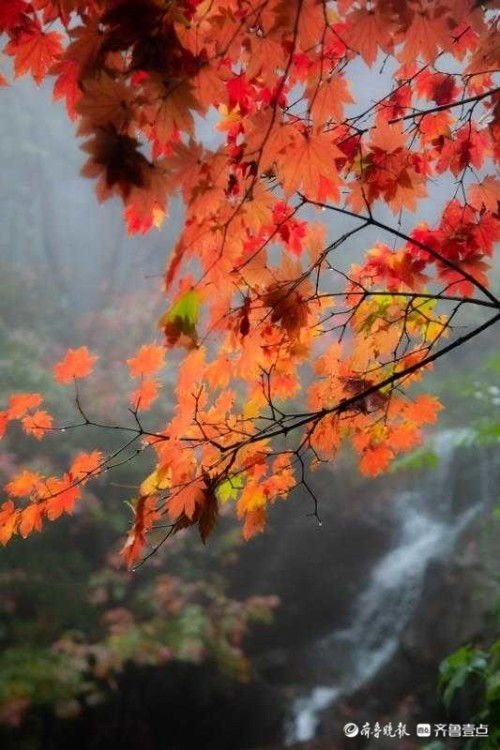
(257, 299)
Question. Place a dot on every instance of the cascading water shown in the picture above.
(426, 530)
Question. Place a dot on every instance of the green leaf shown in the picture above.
(228, 490)
(456, 669)
(180, 321)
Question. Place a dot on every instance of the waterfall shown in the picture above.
(425, 530)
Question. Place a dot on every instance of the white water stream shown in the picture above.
(426, 531)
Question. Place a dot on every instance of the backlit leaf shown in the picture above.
(76, 363)
(179, 322)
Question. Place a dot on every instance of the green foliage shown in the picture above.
(34, 676)
(484, 431)
(472, 396)
(472, 667)
(418, 460)
(458, 668)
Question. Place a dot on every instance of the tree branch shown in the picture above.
(450, 105)
(370, 220)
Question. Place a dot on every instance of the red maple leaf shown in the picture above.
(76, 363)
(35, 51)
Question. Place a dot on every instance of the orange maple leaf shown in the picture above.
(375, 459)
(404, 437)
(169, 113)
(145, 514)
(326, 102)
(310, 159)
(20, 403)
(34, 51)
(425, 408)
(434, 125)
(367, 33)
(475, 265)
(485, 194)
(76, 363)
(9, 518)
(31, 518)
(146, 204)
(426, 36)
(37, 424)
(145, 395)
(149, 359)
(255, 522)
(66, 86)
(185, 500)
(85, 465)
(23, 483)
(60, 496)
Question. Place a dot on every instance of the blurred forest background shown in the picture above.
(278, 642)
